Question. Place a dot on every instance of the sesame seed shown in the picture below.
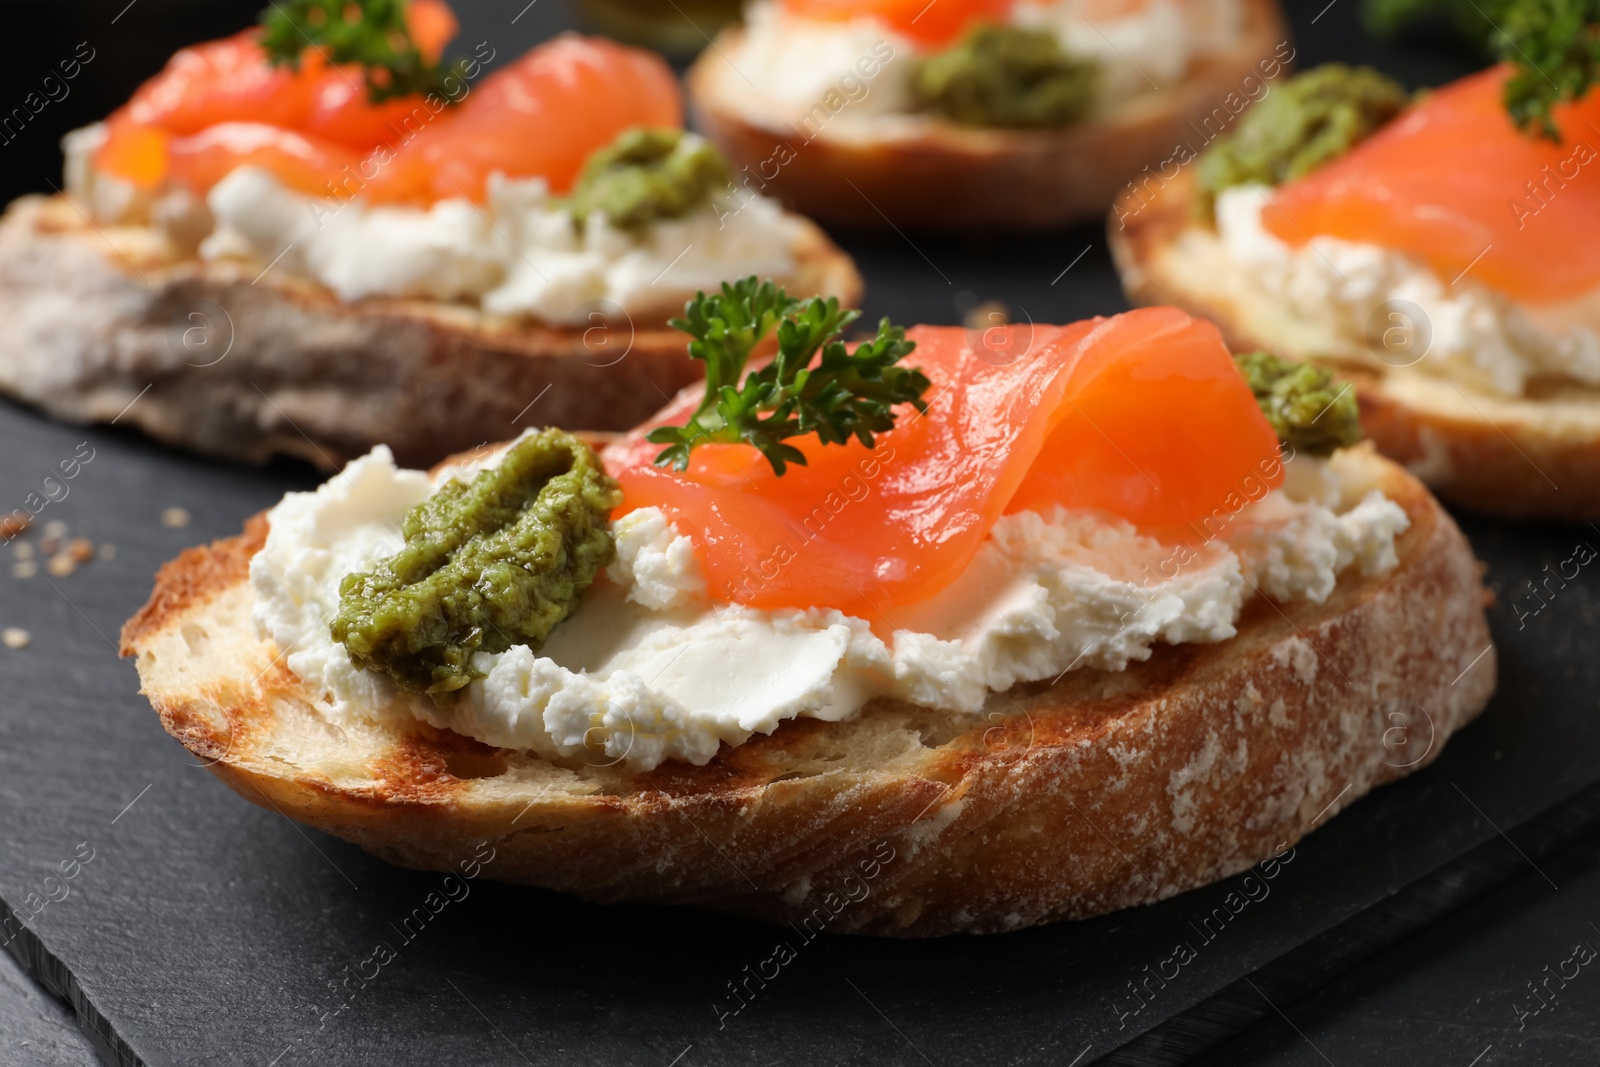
(108, 551)
(61, 565)
(22, 550)
(175, 517)
(55, 528)
(15, 637)
(24, 568)
(81, 549)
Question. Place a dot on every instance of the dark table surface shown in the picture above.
(1462, 991)
(207, 931)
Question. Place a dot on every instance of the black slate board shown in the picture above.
(36, 1029)
(205, 930)
(1312, 977)
(1462, 991)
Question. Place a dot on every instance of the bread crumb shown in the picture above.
(81, 549)
(15, 523)
(22, 550)
(15, 637)
(24, 568)
(61, 565)
(175, 517)
(108, 551)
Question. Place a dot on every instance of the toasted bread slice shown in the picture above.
(1066, 800)
(1528, 457)
(109, 324)
(948, 177)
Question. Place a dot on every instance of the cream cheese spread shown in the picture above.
(1364, 296)
(649, 669)
(518, 254)
(855, 77)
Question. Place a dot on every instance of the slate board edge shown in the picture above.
(56, 979)
(1303, 970)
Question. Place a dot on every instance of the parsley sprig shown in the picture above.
(372, 34)
(846, 395)
(1553, 46)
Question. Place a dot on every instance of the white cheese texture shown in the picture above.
(649, 669)
(517, 254)
(1357, 292)
(854, 78)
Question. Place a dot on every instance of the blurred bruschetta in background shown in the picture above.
(282, 247)
(1443, 259)
(977, 115)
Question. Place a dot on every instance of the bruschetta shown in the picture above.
(275, 247)
(934, 635)
(1430, 250)
(976, 115)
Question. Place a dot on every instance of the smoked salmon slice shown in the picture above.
(220, 105)
(940, 22)
(933, 23)
(299, 160)
(230, 80)
(1143, 415)
(543, 116)
(1454, 184)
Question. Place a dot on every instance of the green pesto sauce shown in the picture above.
(649, 174)
(1007, 76)
(1306, 121)
(487, 564)
(1310, 410)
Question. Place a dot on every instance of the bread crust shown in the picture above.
(108, 324)
(1535, 457)
(1065, 800)
(951, 178)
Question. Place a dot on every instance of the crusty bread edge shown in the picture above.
(1099, 792)
(952, 178)
(109, 324)
(1497, 455)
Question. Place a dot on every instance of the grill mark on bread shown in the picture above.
(197, 575)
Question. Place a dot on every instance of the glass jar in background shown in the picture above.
(678, 28)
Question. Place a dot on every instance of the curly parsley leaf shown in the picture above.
(845, 395)
(1553, 46)
(372, 34)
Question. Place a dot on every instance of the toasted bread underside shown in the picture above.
(108, 324)
(947, 177)
(1066, 800)
(1528, 457)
